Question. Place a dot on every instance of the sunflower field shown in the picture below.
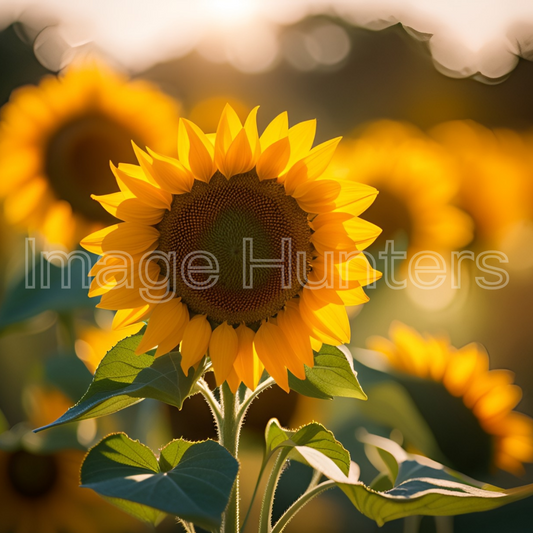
(266, 266)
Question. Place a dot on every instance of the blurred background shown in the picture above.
(434, 103)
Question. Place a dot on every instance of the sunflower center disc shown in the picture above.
(77, 161)
(252, 231)
(32, 476)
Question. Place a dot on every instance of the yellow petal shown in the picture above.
(354, 198)
(129, 209)
(316, 344)
(483, 384)
(239, 157)
(144, 191)
(233, 381)
(200, 153)
(462, 367)
(247, 364)
(499, 401)
(170, 174)
(273, 159)
(165, 327)
(93, 242)
(275, 131)
(195, 341)
(123, 298)
(296, 332)
(20, 204)
(268, 341)
(59, 223)
(223, 348)
(145, 162)
(126, 317)
(312, 166)
(317, 196)
(328, 322)
(128, 237)
(136, 291)
(332, 238)
(250, 126)
(301, 137)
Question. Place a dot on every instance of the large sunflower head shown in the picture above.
(229, 244)
(56, 140)
(417, 181)
(471, 411)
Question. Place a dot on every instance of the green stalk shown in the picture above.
(304, 499)
(229, 438)
(265, 521)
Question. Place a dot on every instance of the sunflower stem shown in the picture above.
(265, 520)
(229, 438)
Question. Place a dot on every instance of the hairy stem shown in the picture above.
(265, 521)
(229, 438)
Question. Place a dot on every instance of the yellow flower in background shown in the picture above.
(489, 395)
(40, 491)
(224, 188)
(56, 140)
(94, 342)
(496, 176)
(417, 181)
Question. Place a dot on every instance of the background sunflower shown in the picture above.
(487, 399)
(473, 139)
(57, 138)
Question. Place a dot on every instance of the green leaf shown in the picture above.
(141, 512)
(192, 481)
(312, 444)
(331, 376)
(123, 379)
(422, 487)
(63, 290)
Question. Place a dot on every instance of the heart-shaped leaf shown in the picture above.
(331, 376)
(192, 481)
(123, 378)
(422, 487)
(312, 444)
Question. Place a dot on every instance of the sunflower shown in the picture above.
(242, 200)
(40, 490)
(93, 342)
(417, 181)
(485, 157)
(488, 397)
(56, 140)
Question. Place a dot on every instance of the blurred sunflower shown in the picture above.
(485, 158)
(40, 491)
(56, 141)
(417, 181)
(223, 189)
(471, 413)
(93, 342)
